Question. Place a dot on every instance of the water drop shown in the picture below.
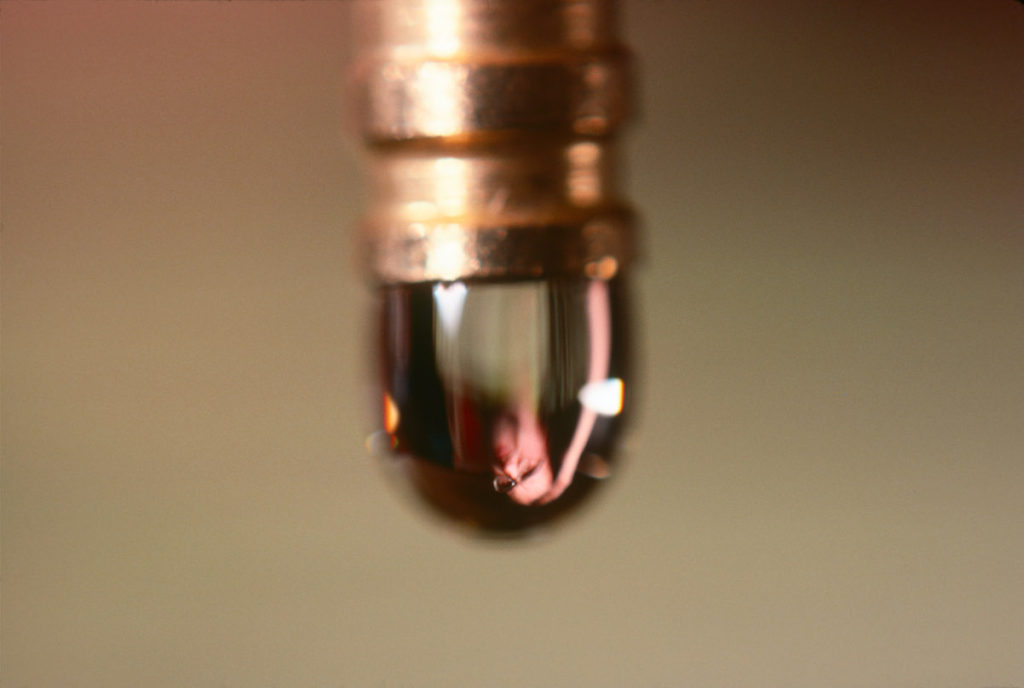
(504, 401)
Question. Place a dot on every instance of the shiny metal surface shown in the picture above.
(511, 210)
(492, 132)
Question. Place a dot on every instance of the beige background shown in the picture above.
(825, 486)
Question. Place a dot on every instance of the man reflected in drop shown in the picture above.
(521, 460)
(499, 395)
(522, 467)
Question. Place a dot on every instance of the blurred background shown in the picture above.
(824, 481)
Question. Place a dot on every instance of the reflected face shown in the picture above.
(522, 467)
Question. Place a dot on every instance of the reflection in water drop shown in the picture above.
(449, 300)
(603, 397)
(503, 400)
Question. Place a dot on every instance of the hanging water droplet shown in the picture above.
(500, 398)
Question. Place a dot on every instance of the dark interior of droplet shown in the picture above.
(446, 430)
